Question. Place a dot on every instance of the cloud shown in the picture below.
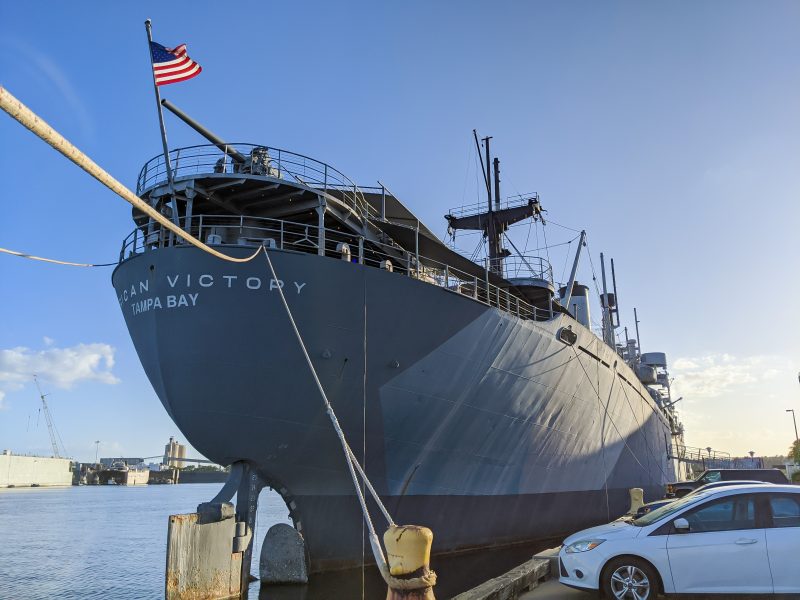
(47, 69)
(59, 367)
(715, 375)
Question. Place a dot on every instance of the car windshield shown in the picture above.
(667, 509)
(710, 477)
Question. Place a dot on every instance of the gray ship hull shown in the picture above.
(471, 421)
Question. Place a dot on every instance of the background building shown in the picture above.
(130, 462)
(174, 451)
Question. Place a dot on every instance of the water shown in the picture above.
(99, 541)
(109, 542)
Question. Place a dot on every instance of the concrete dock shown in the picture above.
(552, 590)
(536, 579)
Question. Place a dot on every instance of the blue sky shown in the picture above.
(670, 131)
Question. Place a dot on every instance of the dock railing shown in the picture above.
(245, 231)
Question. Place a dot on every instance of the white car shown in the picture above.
(732, 540)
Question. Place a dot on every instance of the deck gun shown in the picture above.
(258, 163)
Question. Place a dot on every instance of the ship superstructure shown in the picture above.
(475, 395)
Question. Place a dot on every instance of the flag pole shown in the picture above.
(167, 163)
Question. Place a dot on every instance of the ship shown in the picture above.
(474, 394)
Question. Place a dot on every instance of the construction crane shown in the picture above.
(48, 417)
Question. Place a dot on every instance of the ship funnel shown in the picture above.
(578, 303)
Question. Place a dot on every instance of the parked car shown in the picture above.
(741, 539)
(681, 488)
(650, 506)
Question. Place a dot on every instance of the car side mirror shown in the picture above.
(681, 525)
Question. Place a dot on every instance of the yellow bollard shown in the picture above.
(408, 552)
(637, 500)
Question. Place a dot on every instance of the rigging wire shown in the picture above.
(478, 248)
(597, 393)
(466, 174)
(350, 458)
(551, 222)
(594, 273)
(528, 237)
(566, 260)
(546, 246)
(640, 427)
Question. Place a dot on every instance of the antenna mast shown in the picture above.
(496, 220)
(49, 419)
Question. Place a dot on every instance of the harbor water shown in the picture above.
(109, 542)
(98, 541)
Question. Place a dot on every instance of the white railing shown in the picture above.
(481, 207)
(245, 231)
(252, 159)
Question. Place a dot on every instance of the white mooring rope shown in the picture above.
(352, 463)
(28, 119)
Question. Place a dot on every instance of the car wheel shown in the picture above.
(629, 578)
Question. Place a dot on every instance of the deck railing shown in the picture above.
(252, 232)
(258, 160)
(708, 458)
(481, 207)
(526, 266)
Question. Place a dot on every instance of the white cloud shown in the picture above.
(59, 367)
(48, 69)
(715, 375)
(736, 403)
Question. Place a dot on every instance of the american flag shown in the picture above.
(171, 65)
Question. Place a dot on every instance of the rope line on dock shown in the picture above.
(53, 260)
(31, 121)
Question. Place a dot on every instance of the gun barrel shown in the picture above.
(236, 156)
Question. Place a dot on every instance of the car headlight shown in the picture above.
(583, 546)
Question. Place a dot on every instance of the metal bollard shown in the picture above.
(408, 552)
(637, 500)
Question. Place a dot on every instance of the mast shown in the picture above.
(495, 220)
(492, 229)
(574, 271)
(608, 330)
(499, 228)
(488, 159)
(497, 182)
(636, 321)
(614, 310)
